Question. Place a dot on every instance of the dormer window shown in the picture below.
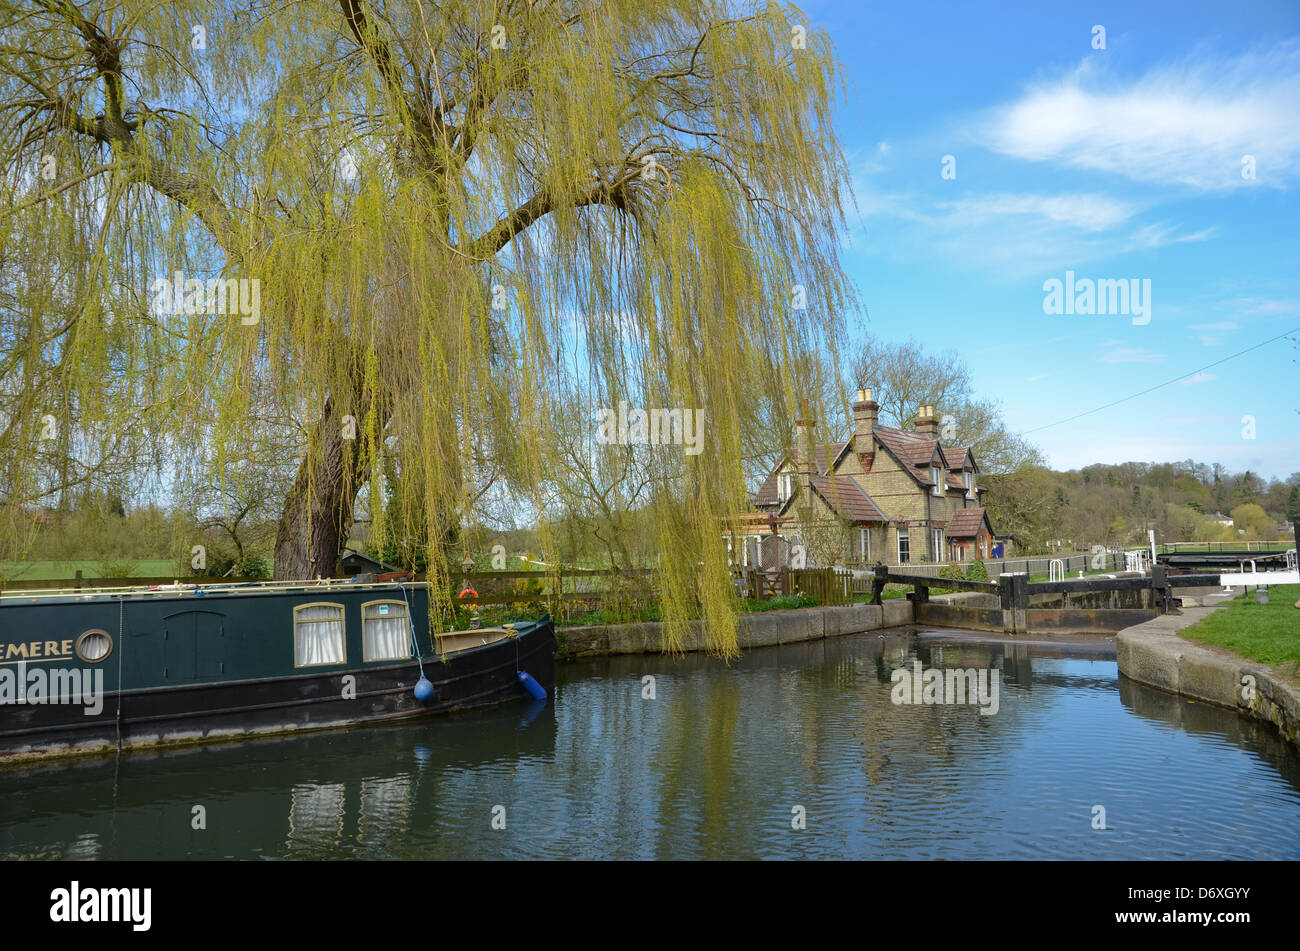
(785, 485)
(936, 476)
(969, 478)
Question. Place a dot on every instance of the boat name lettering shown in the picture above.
(14, 651)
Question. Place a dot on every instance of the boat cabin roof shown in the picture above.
(180, 589)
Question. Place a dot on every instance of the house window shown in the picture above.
(864, 543)
(385, 631)
(983, 547)
(936, 475)
(904, 547)
(318, 635)
(785, 485)
(936, 543)
(969, 478)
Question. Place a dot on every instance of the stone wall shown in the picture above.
(756, 630)
(1154, 654)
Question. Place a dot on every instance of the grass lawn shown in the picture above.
(1267, 633)
(61, 570)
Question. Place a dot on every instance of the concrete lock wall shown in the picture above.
(1153, 653)
(979, 612)
(756, 630)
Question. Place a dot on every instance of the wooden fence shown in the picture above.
(829, 586)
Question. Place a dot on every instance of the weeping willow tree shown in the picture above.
(409, 230)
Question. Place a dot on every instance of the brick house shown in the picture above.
(886, 494)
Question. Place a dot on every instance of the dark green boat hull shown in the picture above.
(220, 664)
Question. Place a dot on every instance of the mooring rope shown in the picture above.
(410, 620)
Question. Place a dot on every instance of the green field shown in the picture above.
(67, 570)
(1268, 633)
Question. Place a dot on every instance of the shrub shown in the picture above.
(796, 600)
(109, 568)
(976, 571)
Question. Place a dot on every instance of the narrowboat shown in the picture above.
(113, 669)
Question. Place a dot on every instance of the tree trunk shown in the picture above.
(317, 514)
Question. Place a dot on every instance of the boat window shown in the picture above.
(386, 630)
(318, 635)
(93, 646)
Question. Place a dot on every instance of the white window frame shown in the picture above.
(939, 480)
(864, 544)
(784, 485)
(343, 632)
(365, 641)
(903, 538)
(936, 539)
(969, 477)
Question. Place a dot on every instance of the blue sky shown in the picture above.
(1116, 163)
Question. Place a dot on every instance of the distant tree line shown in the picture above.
(1117, 504)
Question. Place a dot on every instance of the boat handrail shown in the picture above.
(178, 588)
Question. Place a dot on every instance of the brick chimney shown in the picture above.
(803, 449)
(927, 422)
(866, 412)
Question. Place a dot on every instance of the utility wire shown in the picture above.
(1151, 389)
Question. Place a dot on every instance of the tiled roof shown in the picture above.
(848, 500)
(956, 456)
(912, 448)
(766, 494)
(965, 523)
(955, 481)
(823, 456)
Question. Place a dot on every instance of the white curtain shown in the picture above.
(95, 645)
(318, 635)
(387, 632)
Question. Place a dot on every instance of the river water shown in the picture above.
(790, 752)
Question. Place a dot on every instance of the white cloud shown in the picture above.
(1214, 334)
(1014, 234)
(1160, 235)
(1085, 212)
(1264, 307)
(1188, 123)
(1198, 378)
(1201, 419)
(1130, 355)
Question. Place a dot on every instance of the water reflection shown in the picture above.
(715, 767)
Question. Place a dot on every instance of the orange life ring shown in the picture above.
(468, 591)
